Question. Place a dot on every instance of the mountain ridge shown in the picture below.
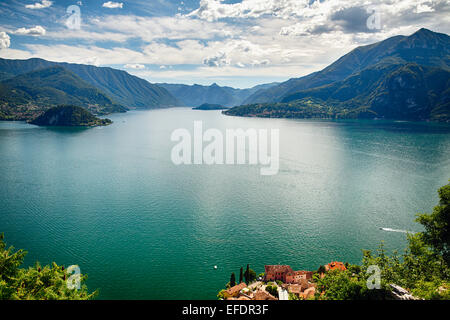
(403, 78)
(27, 95)
(396, 48)
(122, 87)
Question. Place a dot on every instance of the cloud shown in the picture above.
(240, 50)
(212, 10)
(353, 19)
(301, 29)
(5, 40)
(310, 17)
(135, 66)
(90, 36)
(257, 63)
(113, 5)
(150, 28)
(9, 53)
(35, 31)
(92, 61)
(218, 60)
(40, 5)
(421, 8)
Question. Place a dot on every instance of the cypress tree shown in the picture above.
(247, 274)
(232, 280)
(241, 275)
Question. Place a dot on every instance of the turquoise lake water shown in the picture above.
(110, 199)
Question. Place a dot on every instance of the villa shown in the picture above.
(298, 276)
(285, 274)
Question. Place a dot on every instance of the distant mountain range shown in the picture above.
(399, 78)
(197, 95)
(403, 77)
(30, 87)
(123, 88)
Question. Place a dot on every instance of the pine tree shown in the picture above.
(35, 283)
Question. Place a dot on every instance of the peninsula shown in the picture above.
(69, 116)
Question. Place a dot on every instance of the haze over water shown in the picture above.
(110, 200)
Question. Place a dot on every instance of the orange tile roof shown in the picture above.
(233, 290)
(335, 265)
(295, 288)
(278, 268)
(263, 295)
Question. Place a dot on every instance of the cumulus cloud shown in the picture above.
(353, 19)
(220, 59)
(40, 5)
(240, 50)
(35, 31)
(5, 41)
(316, 17)
(421, 8)
(215, 9)
(135, 66)
(113, 5)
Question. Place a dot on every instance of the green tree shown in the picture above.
(437, 225)
(341, 285)
(424, 266)
(249, 275)
(35, 283)
(241, 275)
(272, 289)
(232, 280)
(221, 295)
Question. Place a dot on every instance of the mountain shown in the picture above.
(36, 91)
(123, 88)
(406, 92)
(196, 95)
(405, 78)
(69, 116)
(423, 47)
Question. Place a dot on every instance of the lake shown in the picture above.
(110, 200)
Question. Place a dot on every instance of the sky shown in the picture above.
(238, 43)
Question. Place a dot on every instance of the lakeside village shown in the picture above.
(278, 282)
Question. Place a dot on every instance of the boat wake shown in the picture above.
(395, 230)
